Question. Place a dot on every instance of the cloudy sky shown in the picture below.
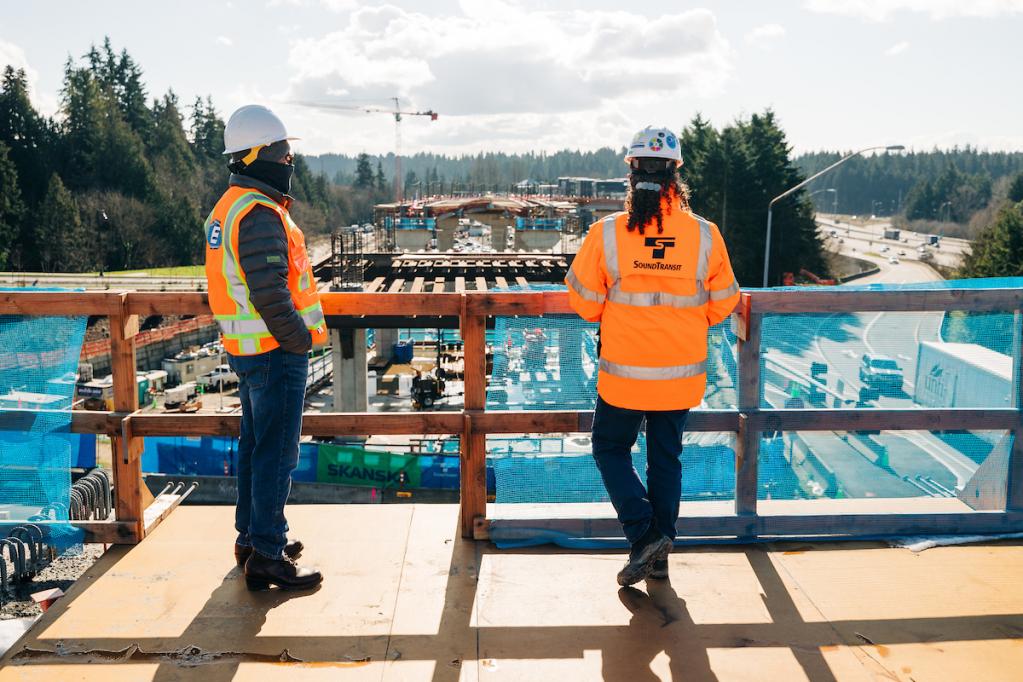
(516, 75)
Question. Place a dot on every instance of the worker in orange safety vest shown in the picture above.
(656, 277)
(264, 297)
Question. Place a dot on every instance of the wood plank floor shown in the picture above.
(406, 599)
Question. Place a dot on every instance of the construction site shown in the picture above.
(464, 380)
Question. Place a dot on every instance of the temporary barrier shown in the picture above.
(38, 360)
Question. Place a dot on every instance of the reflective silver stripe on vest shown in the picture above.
(243, 327)
(706, 244)
(248, 346)
(722, 294)
(584, 292)
(652, 298)
(611, 249)
(313, 318)
(653, 373)
(239, 290)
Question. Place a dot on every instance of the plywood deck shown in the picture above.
(405, 599)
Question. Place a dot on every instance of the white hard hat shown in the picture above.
(658, 143)
(253, 126)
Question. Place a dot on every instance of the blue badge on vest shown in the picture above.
(213, 235)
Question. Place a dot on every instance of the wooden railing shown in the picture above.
(127, 426)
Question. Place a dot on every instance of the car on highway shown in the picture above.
(884, 249)
(893, 260)
(881, 372)
(901, 252)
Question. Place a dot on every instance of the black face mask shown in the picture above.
(277, 175)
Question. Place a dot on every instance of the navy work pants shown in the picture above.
(272, 391)
(615, 430)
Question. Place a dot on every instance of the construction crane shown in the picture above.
(397, 113)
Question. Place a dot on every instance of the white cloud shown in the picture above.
(505, 76)
(13, 55)
(765, 34)
(897, 49)
(882, 10)
(333, 5)
(225, 41)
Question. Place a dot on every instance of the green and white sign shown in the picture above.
(346, 465)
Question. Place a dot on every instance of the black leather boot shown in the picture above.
(261, 573)
(293, 549)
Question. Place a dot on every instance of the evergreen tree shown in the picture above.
(26, 134)
(363, 172)
(1016, 189)
(57, 230)
(998, 249)
(11, 207)
(172, 154)
(381, 181)
(101, 149)
(733, 174)
(207, 129)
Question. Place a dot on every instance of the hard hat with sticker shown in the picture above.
(653, 142)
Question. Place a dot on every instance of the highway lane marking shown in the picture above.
(866, 333)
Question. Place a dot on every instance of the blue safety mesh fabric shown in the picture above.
(892, 360)
(38, 364)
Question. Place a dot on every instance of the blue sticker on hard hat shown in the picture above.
(661, 134)
(213, 235)
(670, 140)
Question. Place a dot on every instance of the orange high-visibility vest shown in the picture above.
(244, 331)
(655, 296)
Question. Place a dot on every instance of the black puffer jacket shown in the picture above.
(263, 252)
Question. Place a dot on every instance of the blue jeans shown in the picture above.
(272, 391)
(615, 430)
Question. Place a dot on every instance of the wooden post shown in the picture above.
(747, 442)
(473, 467)
(1014, 484)
(126, 449)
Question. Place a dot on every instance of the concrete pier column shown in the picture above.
(350, 369)
(446, 229)
(536, 240)
(384, 340)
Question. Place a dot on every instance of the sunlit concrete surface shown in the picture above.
(406, 599)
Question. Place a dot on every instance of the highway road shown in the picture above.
(792, 343)
(857, 240)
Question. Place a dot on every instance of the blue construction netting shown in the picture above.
(38, 366)
(893, 360)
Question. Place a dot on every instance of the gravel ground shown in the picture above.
(17, 603)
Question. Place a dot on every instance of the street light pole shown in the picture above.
(804, 183)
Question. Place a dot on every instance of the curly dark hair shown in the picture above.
(645, 206)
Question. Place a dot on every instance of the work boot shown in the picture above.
(659, 571)
(652, 547)
(241, 553)
(261, 573)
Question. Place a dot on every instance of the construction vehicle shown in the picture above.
(427, 389)
(183, 398)
(220, 377)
